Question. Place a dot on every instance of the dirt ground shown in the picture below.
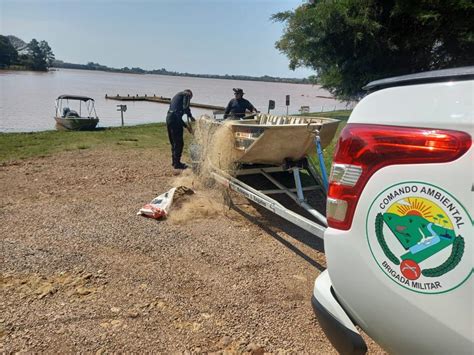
(81, 272)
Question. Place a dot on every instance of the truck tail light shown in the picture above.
(362, 149)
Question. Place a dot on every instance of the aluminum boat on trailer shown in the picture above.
(274, 155)
(69, 113)
(271, 139)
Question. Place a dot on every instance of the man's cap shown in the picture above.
(238, 91)
(189, 92)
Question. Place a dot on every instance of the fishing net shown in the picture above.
(212, 149)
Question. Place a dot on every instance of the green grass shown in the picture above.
(16, 146)
(342, 115)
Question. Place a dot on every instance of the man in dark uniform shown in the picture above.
(237, 106)
(178, 107)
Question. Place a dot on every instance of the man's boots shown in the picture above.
(180, 166)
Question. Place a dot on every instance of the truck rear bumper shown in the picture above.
(334, 320)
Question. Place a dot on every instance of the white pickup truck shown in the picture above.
(399, 245)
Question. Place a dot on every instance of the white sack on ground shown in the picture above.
(160, 206)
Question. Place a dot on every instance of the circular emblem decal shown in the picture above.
(421, 237)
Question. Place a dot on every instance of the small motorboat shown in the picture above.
(74, 119)
(271, 139)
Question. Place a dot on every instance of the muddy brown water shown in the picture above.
(27, 98)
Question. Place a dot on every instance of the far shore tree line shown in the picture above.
(163, 71)
(17, 55)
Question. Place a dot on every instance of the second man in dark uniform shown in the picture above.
(237, 107)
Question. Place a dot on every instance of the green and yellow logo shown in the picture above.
(419, 235)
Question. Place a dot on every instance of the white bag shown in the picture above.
(159, 206)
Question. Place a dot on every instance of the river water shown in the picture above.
(27, 98)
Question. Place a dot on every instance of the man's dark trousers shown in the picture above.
(175, 134)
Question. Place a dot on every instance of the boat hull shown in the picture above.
(76, 123)
(270, 139)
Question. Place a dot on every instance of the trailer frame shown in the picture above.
(262, 198)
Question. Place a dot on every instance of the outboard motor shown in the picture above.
(66, 110)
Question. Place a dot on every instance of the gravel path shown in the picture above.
(81, 272)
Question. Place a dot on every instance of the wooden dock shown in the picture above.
(161, 100)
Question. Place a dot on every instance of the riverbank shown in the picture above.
(22, 68)
(18, 146)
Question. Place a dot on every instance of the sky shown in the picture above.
(194, 36)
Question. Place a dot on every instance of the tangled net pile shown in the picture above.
(212, 148)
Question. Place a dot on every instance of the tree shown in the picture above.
(40, 56)
(18, 43)
(351, 42)
(47, 53)
(37, 60)
(8, 53)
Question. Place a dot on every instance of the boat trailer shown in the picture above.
(241, 184)
(267, 172)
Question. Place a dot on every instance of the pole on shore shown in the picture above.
(271, 105)
(122, 109)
